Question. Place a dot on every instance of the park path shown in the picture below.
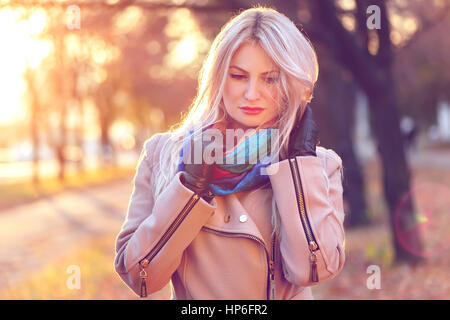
(34, 234)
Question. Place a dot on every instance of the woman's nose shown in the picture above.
(252, 91)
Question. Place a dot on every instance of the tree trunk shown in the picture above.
(354, 190)
(334, 103)
(61, 139)
(60, 156)
(34, 118)
(396, 174)
(35, 144)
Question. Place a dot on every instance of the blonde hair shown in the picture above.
(290, 51)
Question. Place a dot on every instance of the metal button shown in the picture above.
(243, 218)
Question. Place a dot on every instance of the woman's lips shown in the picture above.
(251, 110)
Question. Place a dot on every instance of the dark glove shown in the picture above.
(304, 136)
(197, 176)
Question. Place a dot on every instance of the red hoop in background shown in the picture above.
(432, 217)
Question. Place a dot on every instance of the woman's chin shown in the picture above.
(246, 124)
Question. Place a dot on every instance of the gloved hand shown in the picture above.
(197, 176)
(304, 136)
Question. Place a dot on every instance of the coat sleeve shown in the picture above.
(164, 226)
(321, 181)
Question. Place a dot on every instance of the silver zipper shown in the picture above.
(272, 273)
(165, 237)
(312, 243)
(270, 287)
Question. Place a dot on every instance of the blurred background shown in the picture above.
(84, 83)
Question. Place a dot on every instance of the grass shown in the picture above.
(25, 191)
(98, 279)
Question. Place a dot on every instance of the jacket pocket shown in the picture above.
(162, 241)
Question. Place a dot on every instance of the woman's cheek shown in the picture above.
(237, 92)
(274, 93)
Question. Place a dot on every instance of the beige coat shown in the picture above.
(224, 250)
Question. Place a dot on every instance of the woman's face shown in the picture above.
(250, 94)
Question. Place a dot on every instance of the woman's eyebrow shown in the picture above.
(274, 70)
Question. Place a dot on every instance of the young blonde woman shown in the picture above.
(228, 229)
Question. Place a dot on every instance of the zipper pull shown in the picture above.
(313, 276)
(143, 276)
(272, 280)
(313, 246)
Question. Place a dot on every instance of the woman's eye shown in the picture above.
(271, 80)
(237, 76)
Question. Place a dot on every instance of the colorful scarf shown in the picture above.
(238, 170)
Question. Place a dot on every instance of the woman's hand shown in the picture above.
(304, 136)
(197, 176)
